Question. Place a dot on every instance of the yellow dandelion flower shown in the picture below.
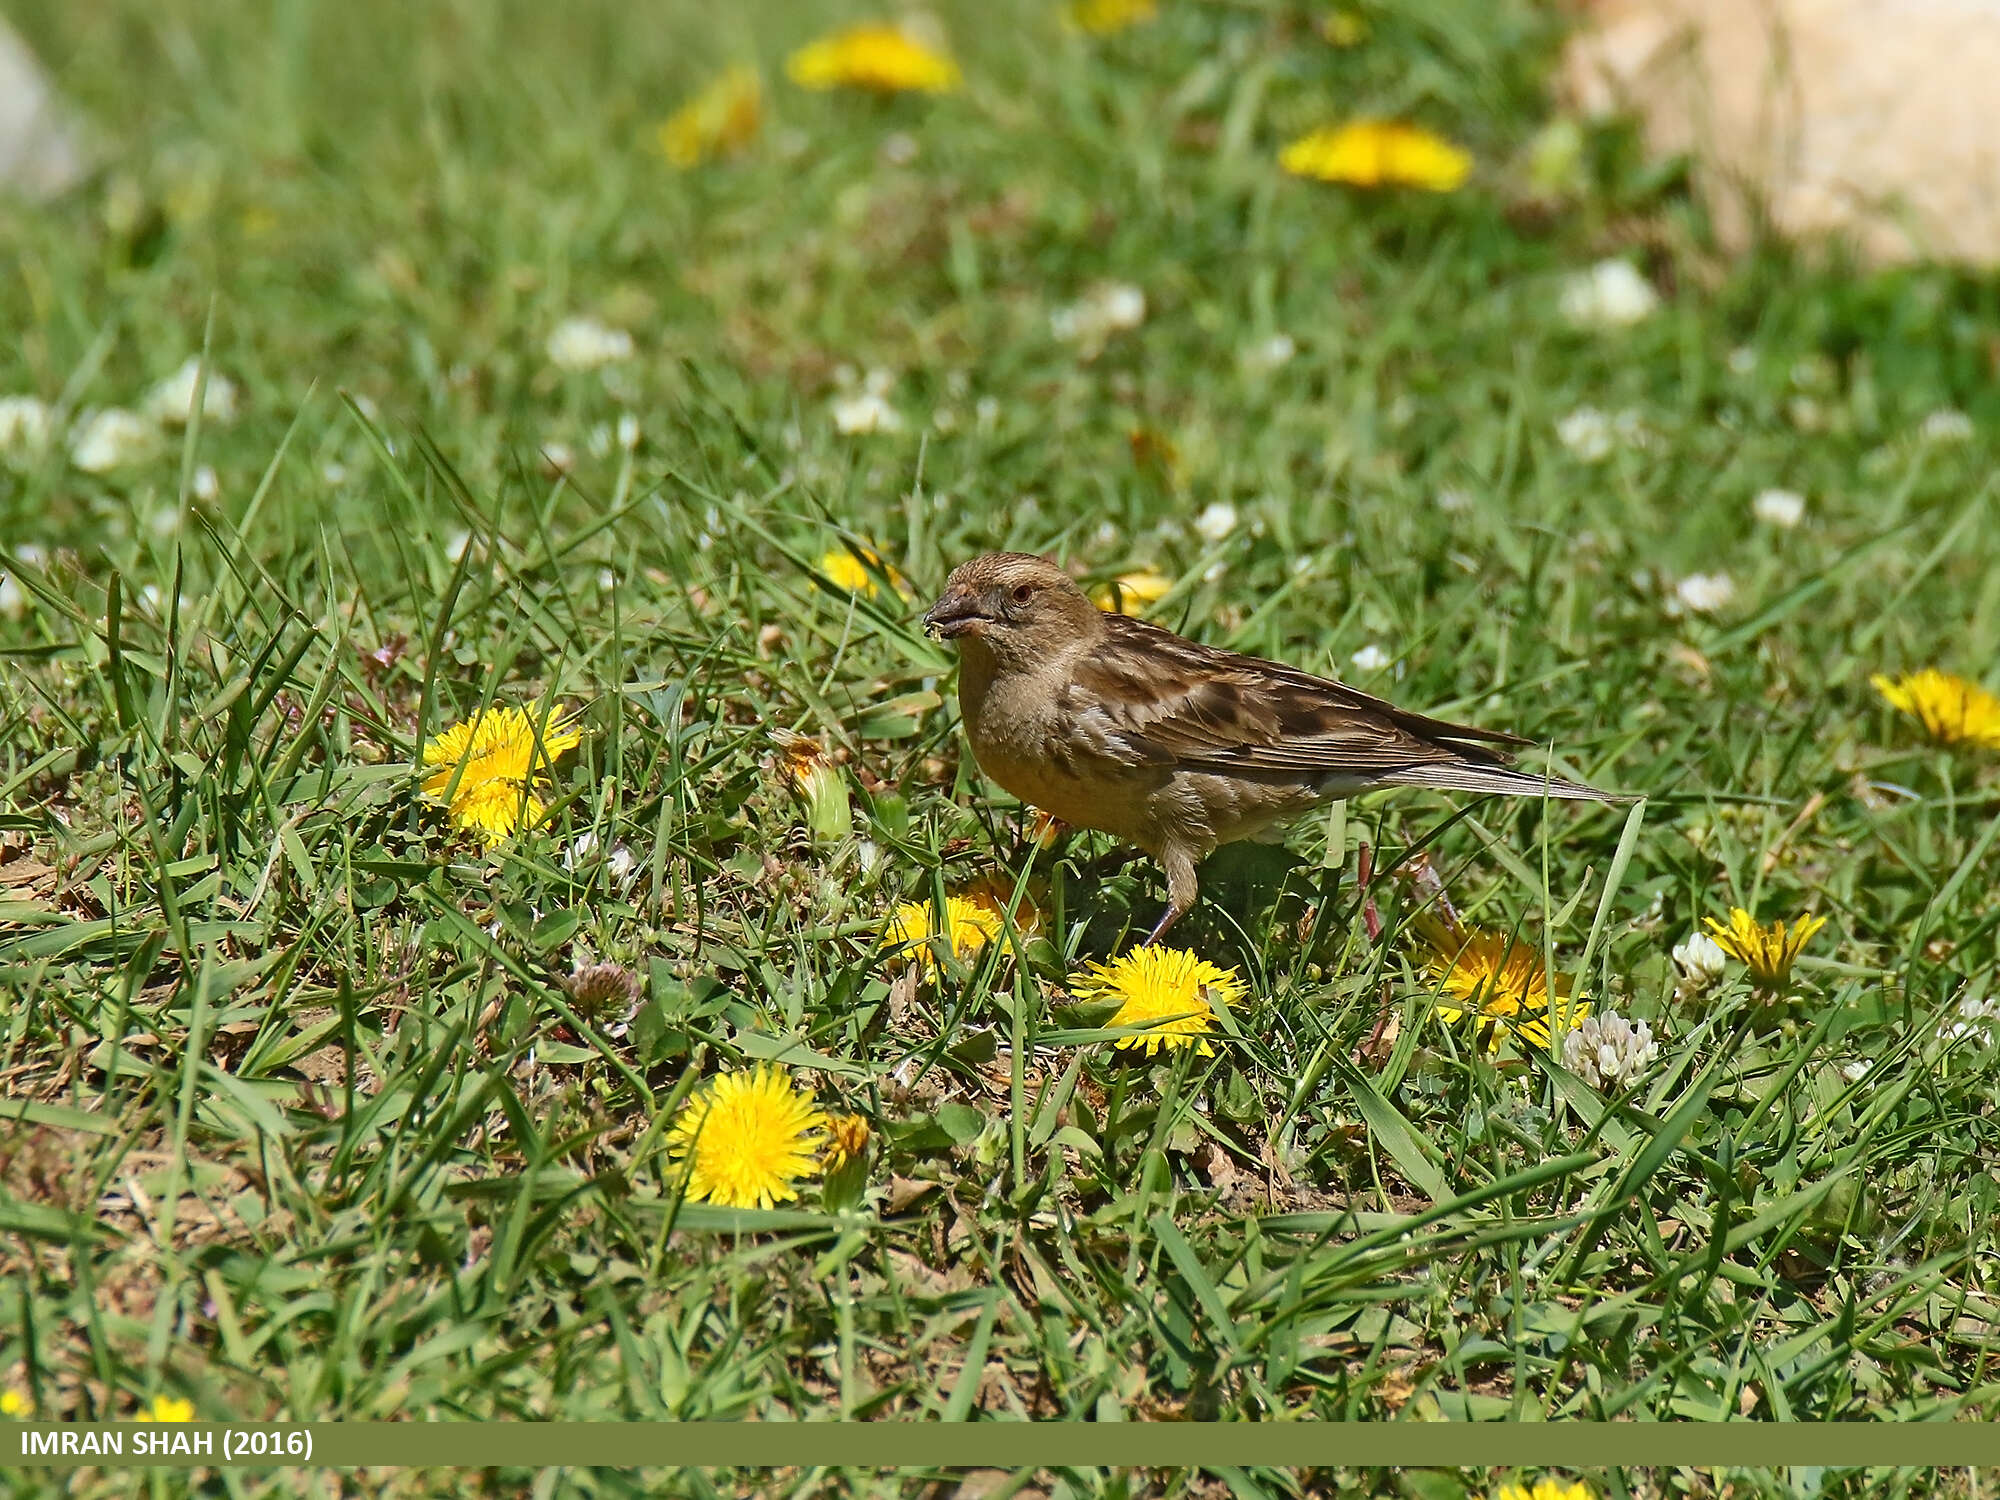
(1045, 829)
(1168, 990)
(1501, 984)
(1344, 28)
(1545, 1489)
(490, 766)
(746, 1137)
(14, 1403)
(857, 575)
(846, 1138)
(969, 924)
(876, 57)
(1768, 952)
(721, 119)
(1107, 17)
(1132, 593)
(1378, 153)
(167, 1409)
(1154, 453)
(1952, 710)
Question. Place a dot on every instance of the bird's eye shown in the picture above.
(1021, 593)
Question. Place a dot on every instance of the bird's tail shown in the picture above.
(1504, 781)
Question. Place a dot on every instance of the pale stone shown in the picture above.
(1867, 120)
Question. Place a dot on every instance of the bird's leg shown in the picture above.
(1182, 888)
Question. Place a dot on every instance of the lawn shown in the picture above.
(322, 1105)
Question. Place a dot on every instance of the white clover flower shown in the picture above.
(171, 402)
(586, 344)
(1946, 425)
(1781, 508)
(1370, 658)
(1702, 964)
(867, 409)
(203, 483)
(1114, 307)
(559, 458)
(111, 439)
(1704, 593)
(628, 432)
(1270, 354)
(1586, 432)
(1611, 294)
(25, 424)
(1607, 1051)
(1976, 1019)
(1217, 521)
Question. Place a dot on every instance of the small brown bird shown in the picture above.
(1108, 722)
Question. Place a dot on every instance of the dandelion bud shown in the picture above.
(819, 784)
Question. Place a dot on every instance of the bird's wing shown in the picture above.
(1161, 699)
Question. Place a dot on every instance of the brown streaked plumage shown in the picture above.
(1111, 723)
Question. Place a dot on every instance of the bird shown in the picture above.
(1110, 722)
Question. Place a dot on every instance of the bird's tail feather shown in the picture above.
(1459, 776)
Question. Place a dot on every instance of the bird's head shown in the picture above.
(1017, 606)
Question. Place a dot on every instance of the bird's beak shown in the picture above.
(953, 615)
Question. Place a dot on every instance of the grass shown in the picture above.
(303, 1120)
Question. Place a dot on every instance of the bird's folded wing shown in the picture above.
(1153, 697)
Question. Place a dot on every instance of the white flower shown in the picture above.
(1946, 425)
(171, 402)
(899, 148)
(628, 432)
(1271, 354)
(12, 599)
(1217, 521)
(333, 471)
(559, 458)
(1454, 501)
(1592, 435)
(1783, 508)
(1611, 294)
(1701, 962)
(1111, 308)
(1606, 1050)
(623, 863)
(1586, 432)
(585, 344)
(110, 439)
(25, 424)
(1857, 1070)
(1370, 658)
(204, 484)
(868, 409)
(986, 412)
(1704, 593)
(1742, 360)
(1976, 1018)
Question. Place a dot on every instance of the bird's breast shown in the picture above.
(1024, 740)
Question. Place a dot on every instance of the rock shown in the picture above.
(1867, 120)
(41, 150)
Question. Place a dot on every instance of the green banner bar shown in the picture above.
(1000, 1444)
